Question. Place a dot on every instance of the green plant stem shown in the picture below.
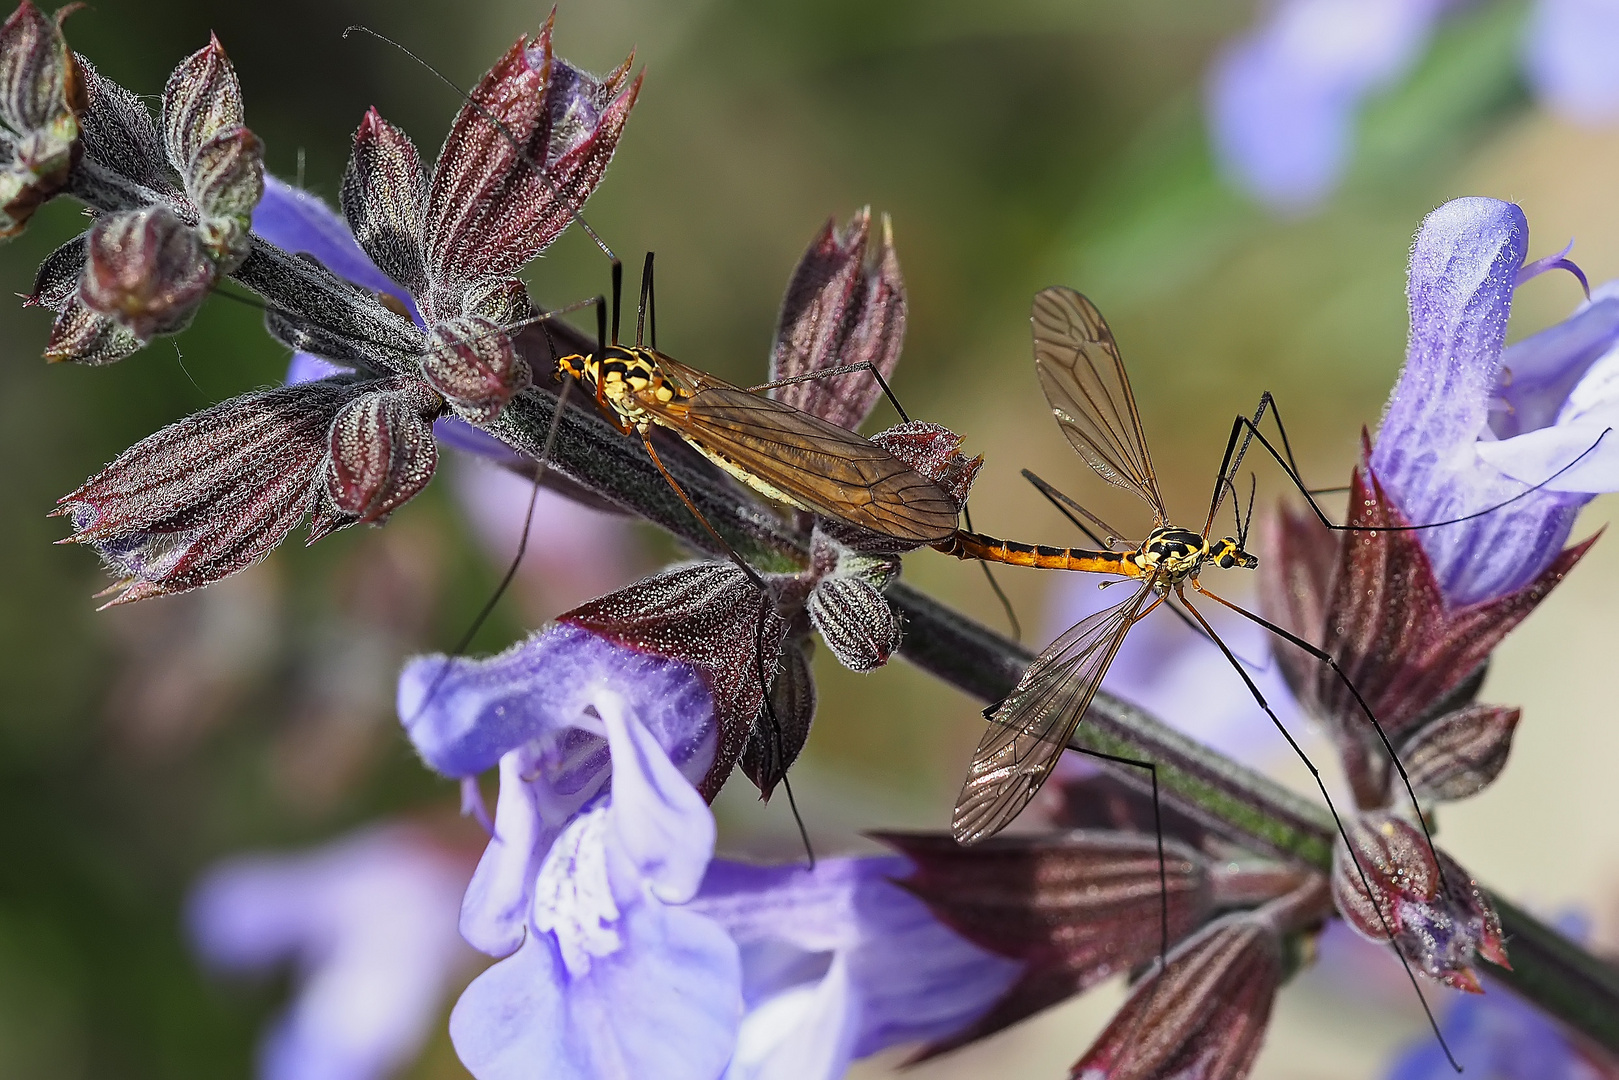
(1246, 808)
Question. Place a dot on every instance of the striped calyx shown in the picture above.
(381, 449)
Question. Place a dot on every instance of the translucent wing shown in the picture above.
(815, 464)
(1084, 379)
(1030, 729)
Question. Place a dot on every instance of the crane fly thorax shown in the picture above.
(623, 379)
(1172, 553)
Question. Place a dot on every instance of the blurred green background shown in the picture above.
(1016, 145)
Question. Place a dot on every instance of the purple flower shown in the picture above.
(613, 975)
(839, 963)
(1283, 99)
(1469, 426)
(369, 924)
(1569, 55)
(613, 961)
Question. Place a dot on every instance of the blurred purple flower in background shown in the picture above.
(1283, 99)
(1470, 426)
(368, 922)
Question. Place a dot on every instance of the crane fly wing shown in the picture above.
(1084, 379)
(823, 468)
(1031, 728)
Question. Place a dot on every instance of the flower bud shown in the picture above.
(202, 99)
(935, 452)
(856, 622)
(225, 182)
(473, 363)
(147, 270)
(840, 310)
(772, 748)
(1460, 753)
(41, 101)
(1437, 914)
(382, 449)
(210, 495)
(503, 301)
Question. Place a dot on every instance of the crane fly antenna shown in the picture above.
(1315, 774)
(538, 167)
(644, 308)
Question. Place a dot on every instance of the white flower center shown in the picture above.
(572, 897)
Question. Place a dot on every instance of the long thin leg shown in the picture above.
(1315, 774)
(777, 752)
(846, 369)
(731, 552)
(1326, 658)
(1006, 603)
(1158, 829)
(1242, 424)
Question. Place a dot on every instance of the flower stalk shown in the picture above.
(1226, 797)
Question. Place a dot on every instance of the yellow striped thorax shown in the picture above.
(1180, 553)
(623, 378)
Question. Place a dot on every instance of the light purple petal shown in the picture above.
(462, 715)
(868, 954)
(666, 1004)
(494, 911)
(1569, 58)
(369, 922)
(307, 367)
(659, 820)
(1283, 100)
(1463, 268)
(297, 221)
(1539, 372)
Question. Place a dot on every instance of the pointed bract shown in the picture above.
(709, 616)
(525, 152)
(1075, 907)
(1204, 1016)
(225, 182)
(1461, 752)
(202, 99)
(210, 495)
(840, 309)
(384, 198)
(772, 749)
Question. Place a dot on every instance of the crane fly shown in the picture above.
(783, 453)
(1084, 380)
